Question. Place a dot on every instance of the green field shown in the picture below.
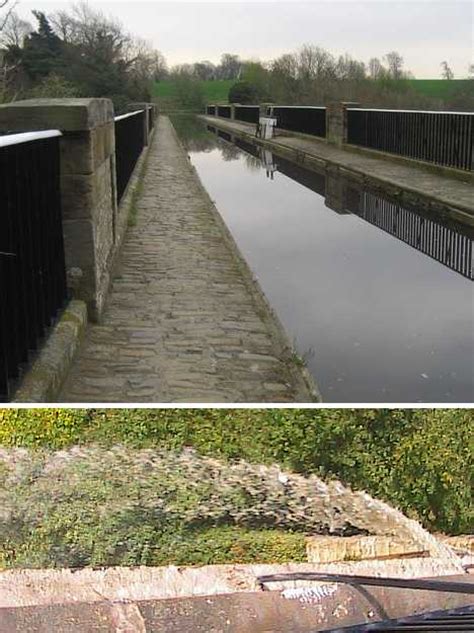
(441, 88)
(455, 93)
(166, 91)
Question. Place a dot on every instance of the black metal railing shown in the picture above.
(129, 143)
(443, 138)
(250, 114)
(223, 111)
(211, 110)
(32, 265)
(305, 119)
(452, 246)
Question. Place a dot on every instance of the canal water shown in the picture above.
(377, 299)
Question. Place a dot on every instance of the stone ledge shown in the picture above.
(334, 549)
(67, 115)
(43, 380)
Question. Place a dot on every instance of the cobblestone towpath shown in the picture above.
(184, 321)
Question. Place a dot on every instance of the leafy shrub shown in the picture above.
(245, 93)
(54, 87)
(121, 506)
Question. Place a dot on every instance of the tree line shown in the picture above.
(314, 76)
(80, 52)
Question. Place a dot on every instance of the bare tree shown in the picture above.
(6, 10)
(205, 70)
(8, 6)
(148, 64)
(470, 71)
(285, 66)
(14, 31)
(349, 69)
(376, 68)
(315, 63)
(230, 66)
(395, 64)
(446, 72)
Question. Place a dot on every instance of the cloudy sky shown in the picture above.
(425, 32)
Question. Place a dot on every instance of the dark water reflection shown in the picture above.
(376, 298)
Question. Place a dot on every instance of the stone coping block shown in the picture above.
(67, 115)
(44, 379)
(333, 549)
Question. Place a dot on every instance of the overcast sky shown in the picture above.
(425, 32)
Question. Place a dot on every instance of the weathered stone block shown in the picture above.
(84, 152)
(86, 195)
(67, 115)
(80, 254)
(333, 549)
(336, 121)
(76, 153)
(78, 195)
(103, 143)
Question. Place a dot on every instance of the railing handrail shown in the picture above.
(125, 116)
(410, 111)
(26, 137)
(298, 106)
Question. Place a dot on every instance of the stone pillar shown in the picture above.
(336, 121)
(232, 110)
(88, 185)
(142, 105)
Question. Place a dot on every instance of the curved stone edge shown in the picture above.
(306, 387)
(44, 378)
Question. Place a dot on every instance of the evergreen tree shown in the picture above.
(43, 50)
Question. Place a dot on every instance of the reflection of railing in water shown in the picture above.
(309, 179)
(448, 245)
(224, 135)
(443, 243)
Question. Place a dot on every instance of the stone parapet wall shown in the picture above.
(88, 185)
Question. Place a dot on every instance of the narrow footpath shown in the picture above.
(185, 321)
(416, 181)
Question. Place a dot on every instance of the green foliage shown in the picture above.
(189, 93)
(245, 93)
(55, 87)
(125, 507)
(166, 92)
(231, 544)
(419, 460)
